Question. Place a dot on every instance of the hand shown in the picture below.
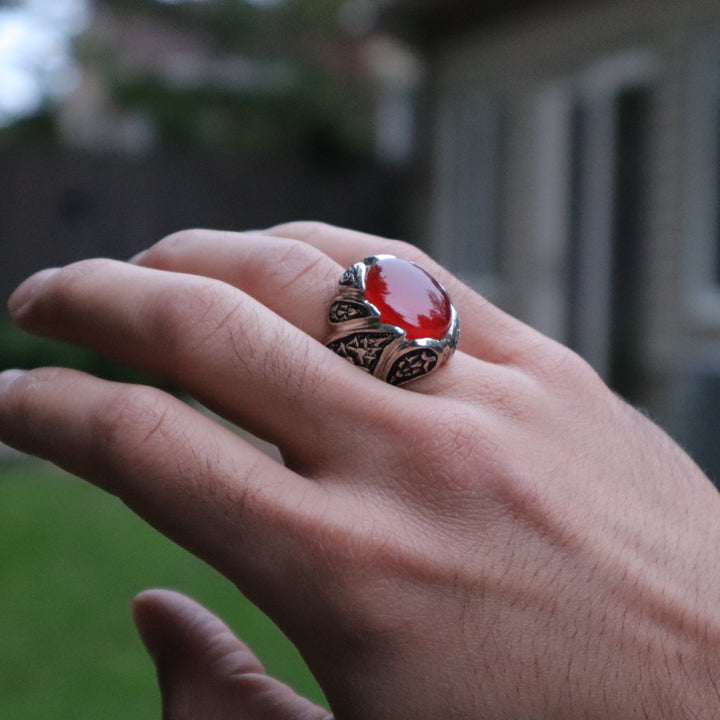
(204, 671)
(503, 539)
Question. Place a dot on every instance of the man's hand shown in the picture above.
(204, 671)
(502, 539)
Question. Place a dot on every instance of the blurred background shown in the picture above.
(561, 157)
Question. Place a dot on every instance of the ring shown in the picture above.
(392, 319)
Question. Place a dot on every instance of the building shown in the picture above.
(571, 164)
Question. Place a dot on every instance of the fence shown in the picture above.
(56, 207)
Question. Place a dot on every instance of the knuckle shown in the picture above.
(435, 452)
(468, 470)
(224, 322)
(66, 285)
(131, 418)
(61, 296)
(304, 230)
(186, 318)
(462, 465)
(512, 399)
(176, 241)
(29, 389)
(202, 303)
(560, 367)
(290, 262)
(456, 448)
(504, 391)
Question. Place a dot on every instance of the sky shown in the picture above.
(35, 57)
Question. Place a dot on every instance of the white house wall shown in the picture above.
(527, 64)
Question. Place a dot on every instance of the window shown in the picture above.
(594, 210)
(702, 206)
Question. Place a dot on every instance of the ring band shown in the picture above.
(392, 319)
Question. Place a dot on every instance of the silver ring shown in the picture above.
(392, 319)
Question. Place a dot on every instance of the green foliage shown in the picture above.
(73, 557)
(314, 116)
(39, 129)
(21, 350)
(295, 99)
(316, 17)
(233, 23)
(301, 98)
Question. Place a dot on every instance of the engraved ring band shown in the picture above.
(392, 319)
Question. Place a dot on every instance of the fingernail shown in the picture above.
(27, 290)
(8, 377)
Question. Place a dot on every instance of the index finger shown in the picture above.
(229, 351)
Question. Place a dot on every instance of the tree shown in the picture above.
(235, 77)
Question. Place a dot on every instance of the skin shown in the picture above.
(502, 539)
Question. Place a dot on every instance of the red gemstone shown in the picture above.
(406, 296)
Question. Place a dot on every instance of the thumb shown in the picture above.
(204, 671)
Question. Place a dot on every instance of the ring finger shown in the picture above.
(298, 281)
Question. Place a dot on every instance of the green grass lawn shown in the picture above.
(71, 559)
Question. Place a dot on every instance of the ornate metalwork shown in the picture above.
(349, 277)
(344, 310)
(382, 350)
(362, 348)
(412, 365)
